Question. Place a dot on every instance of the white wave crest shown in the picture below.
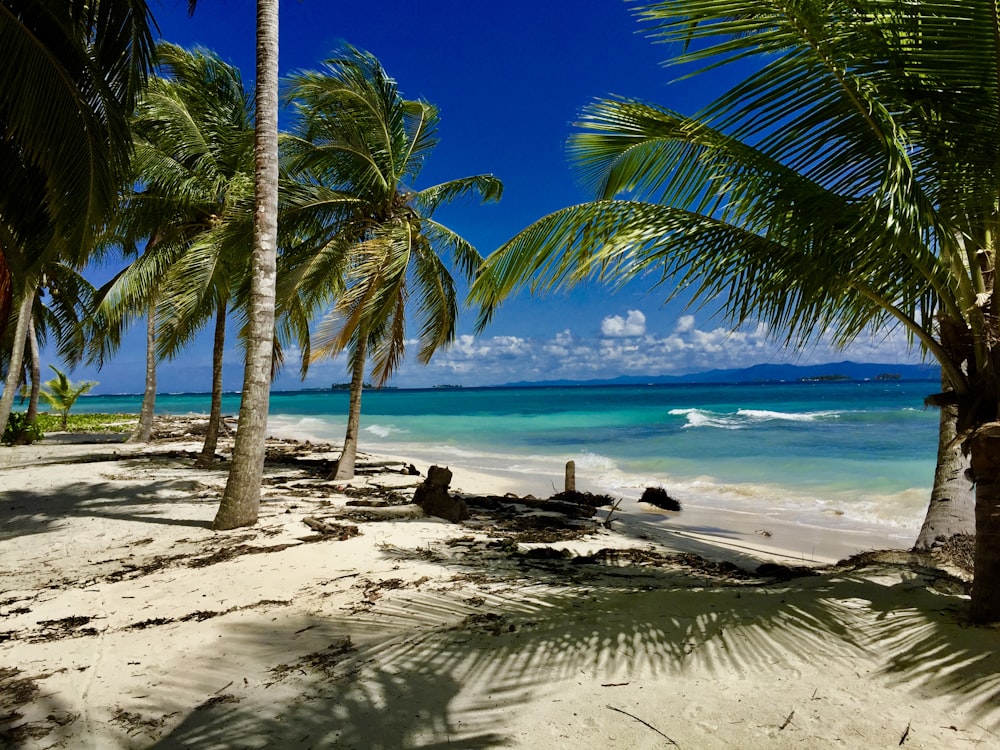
(761, 415)
(743, 418)
(384, 430)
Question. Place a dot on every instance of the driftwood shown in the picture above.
(340, 530)
(387, 512)
(569, 504)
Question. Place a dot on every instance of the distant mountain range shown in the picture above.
(853, 371)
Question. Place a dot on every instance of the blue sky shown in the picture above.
(509, 79)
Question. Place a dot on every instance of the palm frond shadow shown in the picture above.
(27, 512)
(428, 668)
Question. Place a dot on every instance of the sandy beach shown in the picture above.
(125, 622)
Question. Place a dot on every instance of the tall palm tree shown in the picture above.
(241, 500)
(848, 183)
(73, 70)
(364, 231)
(193, 167)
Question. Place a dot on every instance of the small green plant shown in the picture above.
(109, 423)
(19, 431)
(61, 393)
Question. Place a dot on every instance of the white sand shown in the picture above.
(418, 633)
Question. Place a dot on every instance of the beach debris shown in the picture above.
(339, 530)
(906, 733)
(787, 721)
(324, 662)
(607, 521)
(570, 484)
(658, 497)
(644, 722)
(432, 495)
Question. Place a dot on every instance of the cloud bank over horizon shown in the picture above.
(620, 344)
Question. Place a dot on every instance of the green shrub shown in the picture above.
(19, 431)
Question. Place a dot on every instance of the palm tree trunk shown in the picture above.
(345, 465)
(985, 452)
(241, 500)
(143, 431)
(952, 508)
(207, 457)
(13, 380)
(36, 372)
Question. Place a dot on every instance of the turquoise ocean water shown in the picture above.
(862, 451)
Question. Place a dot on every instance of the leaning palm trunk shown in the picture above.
(951, 511)
(143, 431)
(16, 356)
(207, 456)
(241, 501)
(348, 456)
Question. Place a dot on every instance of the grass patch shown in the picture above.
(112, 423)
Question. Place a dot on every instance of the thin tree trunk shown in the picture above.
(36, 372)
(241, 500)
(16, 363)
(952, 507)
(207, 457)
(345, 465)
(143, 431)
(985, 452)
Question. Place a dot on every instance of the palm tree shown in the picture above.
(365, 232)
(194, 155)
(74, 69)
(241, 500)
(61, 393)
(60, 306)
(848, 183)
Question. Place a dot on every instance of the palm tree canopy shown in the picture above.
(73, 70)
(364, 234)
(849, 181)
(61, 393)
(192, 199)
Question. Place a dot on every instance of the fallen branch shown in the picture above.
(341, 531)
(607, 521)
(646, 723)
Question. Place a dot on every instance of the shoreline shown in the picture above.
(816, 537)
(125, 622)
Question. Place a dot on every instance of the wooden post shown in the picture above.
(570, 476)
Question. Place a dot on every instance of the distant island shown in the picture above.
(826, 378)
(767, 373)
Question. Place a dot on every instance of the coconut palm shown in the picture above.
(61, 393)
(848, 183)
(194, 155)
(366, 233)
(60, 308)
(241, 500)
(73, 70)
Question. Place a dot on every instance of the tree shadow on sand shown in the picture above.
(427, 669)
(24, 512)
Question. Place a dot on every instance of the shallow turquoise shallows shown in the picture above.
(863, 449)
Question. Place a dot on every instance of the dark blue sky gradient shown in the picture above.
(509, 79)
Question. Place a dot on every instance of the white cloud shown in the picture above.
(685, 323)
(615, 326)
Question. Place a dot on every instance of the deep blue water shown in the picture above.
(866, 449)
